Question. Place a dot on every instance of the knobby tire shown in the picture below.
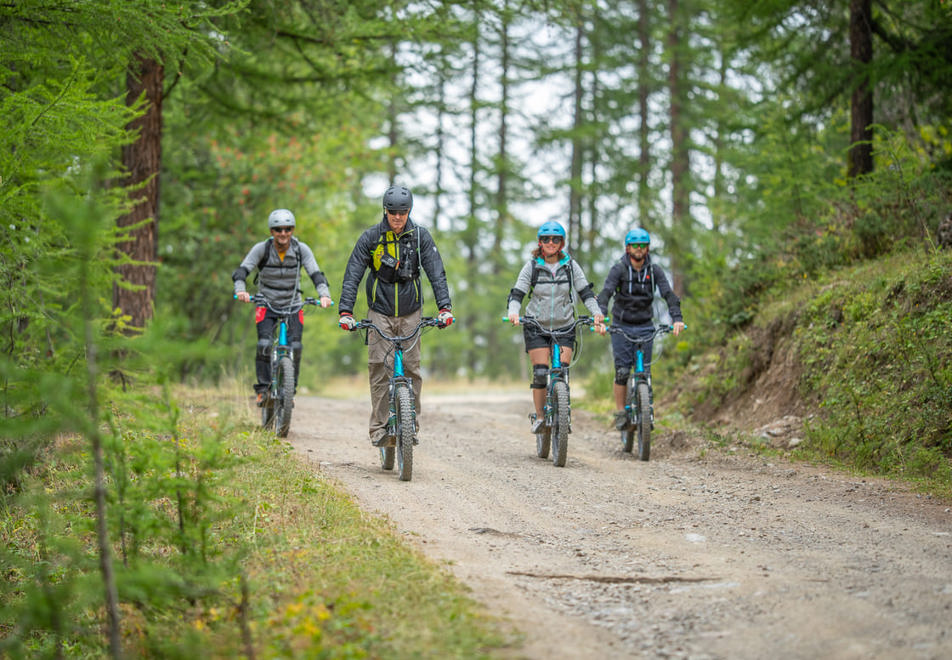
(405, 431)
(285, 401)
(560, 434)
(644, 421)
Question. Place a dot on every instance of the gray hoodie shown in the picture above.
(552, 299)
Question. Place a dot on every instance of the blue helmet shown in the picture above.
(551, 228)
(638, 235)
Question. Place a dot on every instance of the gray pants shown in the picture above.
(380, 366)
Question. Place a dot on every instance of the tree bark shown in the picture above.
(861, 103)
(141, 160)
(644, 90)
(680, 159)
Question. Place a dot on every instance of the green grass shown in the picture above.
(323, 579)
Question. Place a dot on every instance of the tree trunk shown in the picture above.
(680, 159)
(861, 104)
(644, 89)
(578, 146)
(141, 160)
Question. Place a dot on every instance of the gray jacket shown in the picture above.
(552, 299)
(280, 281)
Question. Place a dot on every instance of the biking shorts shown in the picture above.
(535, 339)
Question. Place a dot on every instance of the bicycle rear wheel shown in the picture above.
(405, 431)
(387, 454)
(542, 441)
(267, 412)
(285, 400)
(644, 421)
(560, 414)
(628, 434)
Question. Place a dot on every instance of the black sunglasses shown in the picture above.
(282, 230)
(550, 239)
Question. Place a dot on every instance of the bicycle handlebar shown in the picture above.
(569, 329)
(258, 299)
(425, 322)
(646, 336)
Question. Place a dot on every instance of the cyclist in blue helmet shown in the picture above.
(554, 283)
(632, 281)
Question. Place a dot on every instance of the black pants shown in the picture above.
(267, 325)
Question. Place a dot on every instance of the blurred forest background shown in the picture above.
(764, 144)
(755, 141)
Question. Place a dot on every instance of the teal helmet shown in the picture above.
(551, 228)
(638, 235)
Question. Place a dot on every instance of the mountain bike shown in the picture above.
(557, 411)
(401, 427)
(279, 398)
(639, 398)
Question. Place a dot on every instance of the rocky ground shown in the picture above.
(694, 554)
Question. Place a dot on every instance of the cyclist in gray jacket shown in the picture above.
(279, 261)
(396, 251)
(554, 282)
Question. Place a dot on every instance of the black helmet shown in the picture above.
(398, 198)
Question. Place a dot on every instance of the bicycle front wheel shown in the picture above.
(560, 414)
(405, 431)
(285, 399)
(644, 421)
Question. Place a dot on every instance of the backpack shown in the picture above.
(534, 278)
(267, 253)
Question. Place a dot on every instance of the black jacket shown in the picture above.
(394, 289)
(634, 290)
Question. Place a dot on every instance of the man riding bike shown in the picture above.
(396, 251)
(279, 261)
(632, 281)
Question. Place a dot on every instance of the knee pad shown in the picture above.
(264, 348)
(540, 377)
(621, 375)
(296, 346)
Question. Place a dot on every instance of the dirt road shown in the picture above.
(720, 556)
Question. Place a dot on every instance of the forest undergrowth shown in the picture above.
(225, 544)
(864, 357)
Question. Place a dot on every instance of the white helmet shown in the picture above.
(280, 218)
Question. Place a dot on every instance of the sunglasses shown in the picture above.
(282, 230)
(550, 239)
(643, 246)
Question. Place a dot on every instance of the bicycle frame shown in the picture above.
(557, 408)
(399, 439)
(639, 401)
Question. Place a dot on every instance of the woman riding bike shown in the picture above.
(554, 282)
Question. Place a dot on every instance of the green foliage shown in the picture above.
(878, 354)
